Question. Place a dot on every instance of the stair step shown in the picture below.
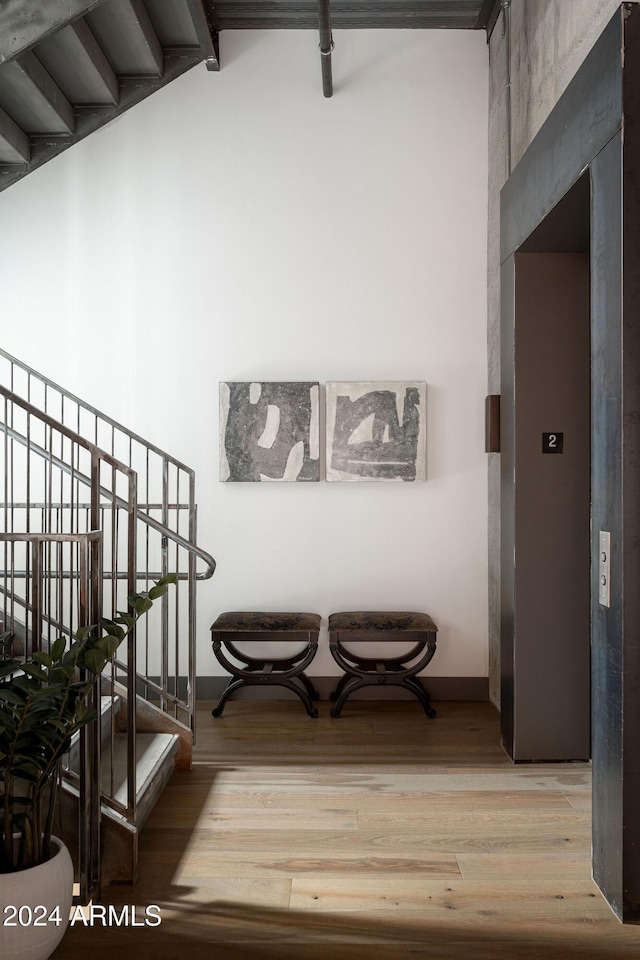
(155, 765)
(150, 719)
(109, 707)
(155, 753)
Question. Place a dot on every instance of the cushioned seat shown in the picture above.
(243, 622)
(382, 621)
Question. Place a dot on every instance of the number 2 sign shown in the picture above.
(552, 442)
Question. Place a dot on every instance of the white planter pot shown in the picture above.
(40, 896)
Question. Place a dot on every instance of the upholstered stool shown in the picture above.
(286, 671)
(416, 629)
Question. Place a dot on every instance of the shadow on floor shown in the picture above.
(230, 931)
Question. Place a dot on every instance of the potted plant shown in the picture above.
(43, 705)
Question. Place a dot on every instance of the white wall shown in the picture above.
(241, 227)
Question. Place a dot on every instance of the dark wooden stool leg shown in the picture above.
(342, 682)
(228, 690)
(304, 696)
(313, 693)
(346, 692)
(414, 685)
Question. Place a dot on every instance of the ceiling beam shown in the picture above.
(24, 23)
(144, 25)
(346, 14)
(124, 30)
(207, 36)
(92, 51)
(34, 99)
(75, 58)
(14, 143)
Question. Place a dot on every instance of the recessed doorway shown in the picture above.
(546, 668)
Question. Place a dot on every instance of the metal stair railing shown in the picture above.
(58, 482)
(167, 518)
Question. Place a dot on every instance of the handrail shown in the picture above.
(93, 449)
(60, 428)
(92, 410)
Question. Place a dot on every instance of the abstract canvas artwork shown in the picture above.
(269, 431)
(376, 431)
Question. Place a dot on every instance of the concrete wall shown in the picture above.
(239, 226)
(549, 41)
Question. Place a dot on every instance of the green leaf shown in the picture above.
(81, 710)
(58, 648)
(34, 671)
(11, 696)
(112, 644)
(126, 619)
(23, 683)
(61, 673)
(108, 645)
(45, 738)
(8, 667)
(56, 724)
(26, 769)
(70, 658)
(112, 628)
(43, 659)
(158, 591)
(94, 661)
(44, 703)
(142, 605)
(169, 578)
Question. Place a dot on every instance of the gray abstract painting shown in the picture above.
(269, 431)
(376, 431)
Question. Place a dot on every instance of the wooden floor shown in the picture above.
(380, 835)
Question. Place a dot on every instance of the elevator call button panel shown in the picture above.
(604, 568)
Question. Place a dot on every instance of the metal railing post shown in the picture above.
(37, 577)
(131, 649)
(89, 852)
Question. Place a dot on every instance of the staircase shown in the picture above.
(90, 513)
(67, 67)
